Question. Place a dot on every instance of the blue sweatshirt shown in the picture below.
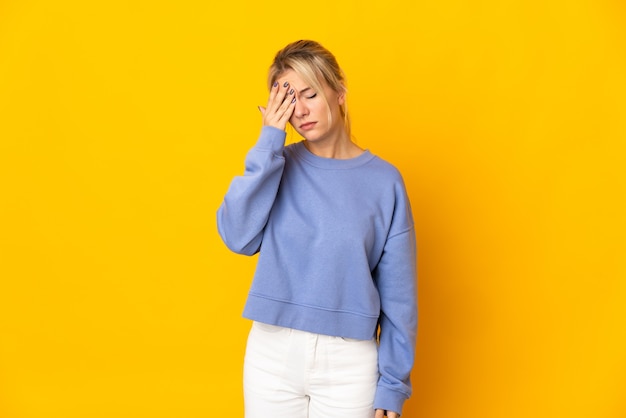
(337, 252)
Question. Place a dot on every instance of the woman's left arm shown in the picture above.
(395, 276)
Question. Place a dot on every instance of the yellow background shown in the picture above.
(122, 123)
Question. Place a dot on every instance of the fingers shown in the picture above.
(380, 413)
(280, 106)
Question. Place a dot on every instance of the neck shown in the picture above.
(341, 148)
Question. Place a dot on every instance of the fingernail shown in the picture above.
(286, 84)
(291, 91)
(275, 83)
(293, 100)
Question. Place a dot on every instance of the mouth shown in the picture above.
(307, 126)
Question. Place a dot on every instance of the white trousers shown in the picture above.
(296, 374)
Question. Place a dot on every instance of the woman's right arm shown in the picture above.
(242, 216)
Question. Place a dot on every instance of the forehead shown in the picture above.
(293, 78)
(299, 83)
(302, 86)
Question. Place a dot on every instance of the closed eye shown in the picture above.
(312, 96)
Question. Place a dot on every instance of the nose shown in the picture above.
(301, 110)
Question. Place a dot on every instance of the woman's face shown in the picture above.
(310, 116)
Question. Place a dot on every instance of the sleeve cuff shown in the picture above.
(271, 139)
(389, 400)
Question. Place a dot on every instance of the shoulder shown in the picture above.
(381, 167)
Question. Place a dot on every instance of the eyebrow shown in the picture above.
(305, 89)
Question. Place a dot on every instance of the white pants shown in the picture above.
(296, 374)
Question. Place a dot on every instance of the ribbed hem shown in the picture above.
(311, 319)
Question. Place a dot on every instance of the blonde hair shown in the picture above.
(315, 64)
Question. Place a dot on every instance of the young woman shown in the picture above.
(333, 298)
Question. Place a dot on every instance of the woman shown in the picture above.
(333, 298)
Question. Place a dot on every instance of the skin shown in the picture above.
(292, 100)
(329, 140)
(380, 414)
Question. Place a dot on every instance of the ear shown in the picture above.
(341, 97)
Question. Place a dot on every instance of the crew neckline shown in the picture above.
(331, 163)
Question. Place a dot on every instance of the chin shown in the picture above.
(312, 136)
